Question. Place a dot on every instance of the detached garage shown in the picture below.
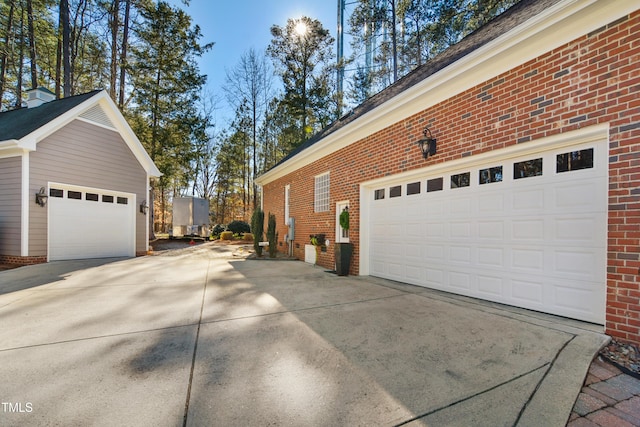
(74, 181)
(506, 168)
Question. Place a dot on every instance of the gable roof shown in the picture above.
(16, 124)
(528, 29)
(22, 129)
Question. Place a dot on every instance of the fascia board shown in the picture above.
(560, 24)
(15, 147)
(9, 143)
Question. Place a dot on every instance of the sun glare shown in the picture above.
(301, 28)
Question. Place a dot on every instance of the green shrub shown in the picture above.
(238, 227)
(215, 233)
(272, 235)
(226, 235)
(257, 226)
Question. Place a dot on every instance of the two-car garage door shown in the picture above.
(527, 230)
(90, 223)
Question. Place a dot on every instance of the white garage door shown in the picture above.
(528, 231)
(90, 223)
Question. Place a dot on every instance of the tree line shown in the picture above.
(145, 53)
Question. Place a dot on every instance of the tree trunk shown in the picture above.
(58, 76)
(32, 45)
(18, 103)
(123, 56)
(4, 53)
(394, 41)
(114, 24)
(66, 46)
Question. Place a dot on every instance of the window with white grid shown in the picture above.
(321, 200)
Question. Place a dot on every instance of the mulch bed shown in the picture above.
(623, 356)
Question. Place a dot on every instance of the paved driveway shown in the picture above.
(203, 338)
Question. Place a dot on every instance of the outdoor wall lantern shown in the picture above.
(41, 197)
(427, 144)
(144, 208)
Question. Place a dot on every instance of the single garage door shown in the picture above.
(528, 231)
(90, 223)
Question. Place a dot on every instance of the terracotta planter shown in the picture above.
(343, 253)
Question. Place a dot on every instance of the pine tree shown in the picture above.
(167, 85)
(302, 52)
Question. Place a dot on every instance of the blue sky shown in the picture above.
(236, 26)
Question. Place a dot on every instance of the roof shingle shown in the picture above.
(17, 124)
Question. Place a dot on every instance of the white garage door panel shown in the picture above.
(537, 242)
(80, 228)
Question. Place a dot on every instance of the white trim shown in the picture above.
(591, 134)
(24, 212)
(562, 23)
(146, 217)
(93, 122)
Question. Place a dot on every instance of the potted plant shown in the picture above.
(318, 240)
(343, 251)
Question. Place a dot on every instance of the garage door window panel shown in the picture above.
(575, 160)
(378, 194)
(527, 168)
(395, 191)
(123, 201)
(413, 188)
(55, 192)
(490, 175)
(107, 199)
(435, 184)
(76, 195)
(461, 180)
(92, 197)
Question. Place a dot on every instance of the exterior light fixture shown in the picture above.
(427, 144)
(41, 197)
(144, 207)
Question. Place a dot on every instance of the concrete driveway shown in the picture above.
(203, 338)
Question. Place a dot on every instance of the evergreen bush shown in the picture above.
(238, 227)
(257, 226)
(272, 235)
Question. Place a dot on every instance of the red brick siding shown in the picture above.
(22, 260)
(594, 79)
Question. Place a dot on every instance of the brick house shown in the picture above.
(74, 181)
(532, 198)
